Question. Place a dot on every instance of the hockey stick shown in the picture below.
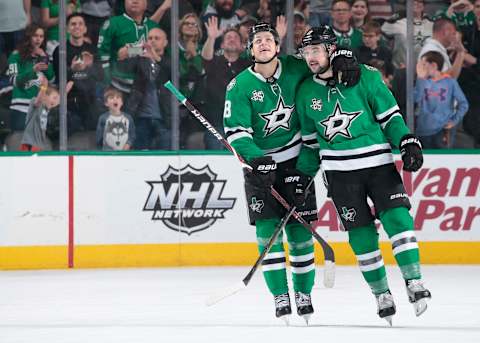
(329, 255)
(237, 287)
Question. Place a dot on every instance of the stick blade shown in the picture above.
(329, 274)
(221, 294)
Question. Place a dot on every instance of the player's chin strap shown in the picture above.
(265, 62)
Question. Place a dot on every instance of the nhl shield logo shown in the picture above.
(188, 199)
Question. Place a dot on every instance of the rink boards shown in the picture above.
(145, 209)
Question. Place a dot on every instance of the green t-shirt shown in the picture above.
(260, 117)
(53, 9)
(351, 128)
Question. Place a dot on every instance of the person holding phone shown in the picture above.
(84, 71)
(26, 66)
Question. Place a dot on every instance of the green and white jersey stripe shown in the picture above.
(259, 114)
(353, 128)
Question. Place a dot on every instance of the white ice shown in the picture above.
(167, 305)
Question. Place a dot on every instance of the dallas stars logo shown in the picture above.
(338, 123)
(277, 118)
(349, 214)
(256, 205)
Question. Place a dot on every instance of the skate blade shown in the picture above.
(285, 319)
(389, 320)
(306, 317)
(420, 306)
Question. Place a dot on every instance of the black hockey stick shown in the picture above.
(329, 255)
(237, 287)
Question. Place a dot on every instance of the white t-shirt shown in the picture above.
(432, 44)
(12, 16)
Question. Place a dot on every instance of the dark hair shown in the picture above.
(76, 14)
(372, 26)
(440, 24)
(379, 64)
(25, 47)
(334, 2)
(434, 57)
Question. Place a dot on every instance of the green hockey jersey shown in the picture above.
(259, 115)
(115, 34)
(352, 38)
(353, 127)
(26, 82)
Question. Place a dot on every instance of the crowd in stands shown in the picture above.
(118, 58)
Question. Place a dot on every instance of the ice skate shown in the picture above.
(304, 305)
(283, 310)
(417, 295)
(385, 306)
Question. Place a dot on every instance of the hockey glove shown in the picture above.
(263, 172)
(296, 184)
(411, 150)
(346, 70)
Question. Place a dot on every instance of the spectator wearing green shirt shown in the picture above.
(49, 19)
(347, 35)
(26, 67)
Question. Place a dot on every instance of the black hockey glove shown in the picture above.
(263, 172)
(411, 150)
(346, 70)
(296, 184)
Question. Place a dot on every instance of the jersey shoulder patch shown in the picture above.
(231, 84)
(369, 67)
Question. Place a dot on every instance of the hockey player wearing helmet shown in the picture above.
(350, 133)
(261, 124)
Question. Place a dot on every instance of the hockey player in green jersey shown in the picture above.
(262, 126)
(350, 133)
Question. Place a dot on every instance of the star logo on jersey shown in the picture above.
(257, 96)
(338, 123)
(316, 105)
(278, 118)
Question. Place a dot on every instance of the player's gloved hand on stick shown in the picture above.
(411, 150)
(345, 67)
(263, 172)
(296, 184)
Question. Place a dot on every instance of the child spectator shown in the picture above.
(371, 49)
(35, 133)
(435, 96)
(115, 129)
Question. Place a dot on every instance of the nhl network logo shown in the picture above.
(188, 200)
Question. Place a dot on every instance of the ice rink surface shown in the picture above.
(167, 305)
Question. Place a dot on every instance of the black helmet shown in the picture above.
(262, 27)
(319, 35)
